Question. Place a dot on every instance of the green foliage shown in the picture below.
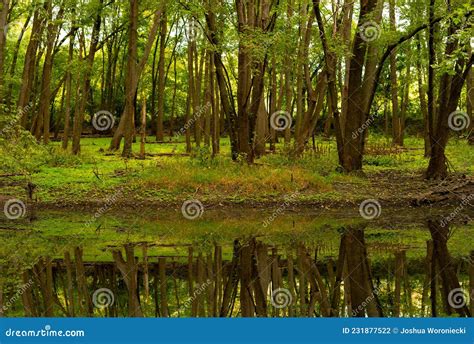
(19, 152)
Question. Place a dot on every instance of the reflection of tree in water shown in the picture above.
(250, 278)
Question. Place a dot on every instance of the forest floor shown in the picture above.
(168, 177)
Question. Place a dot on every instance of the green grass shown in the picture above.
(63, 178)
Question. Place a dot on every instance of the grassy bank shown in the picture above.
(97, 175)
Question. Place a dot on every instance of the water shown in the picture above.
(238, 262)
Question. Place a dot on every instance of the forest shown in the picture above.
(224, 158)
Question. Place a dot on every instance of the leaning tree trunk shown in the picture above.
(29, 65)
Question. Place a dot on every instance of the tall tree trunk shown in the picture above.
(422, 97)
(131, 80)
(353, 145)
(84, 84)
(450, 91)
(222, 77)
(396, 122)
(161, 80)
(134, 71)
(68, 87)
(3, 38)
(29, 66)
(45, 99)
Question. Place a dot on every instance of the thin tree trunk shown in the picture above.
(161, 80)
(143, 129)
(3, 38)
(68, 87)
(84, 84)
(396, 122)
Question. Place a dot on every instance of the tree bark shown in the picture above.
(161, 80)
(3, 38)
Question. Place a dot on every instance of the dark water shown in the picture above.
(243, 263)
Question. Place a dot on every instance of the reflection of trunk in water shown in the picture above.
(451, 292)
(249, 284)
(364, 297)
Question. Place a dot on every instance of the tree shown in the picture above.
(450, 87)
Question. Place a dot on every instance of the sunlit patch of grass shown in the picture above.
(96, 173)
